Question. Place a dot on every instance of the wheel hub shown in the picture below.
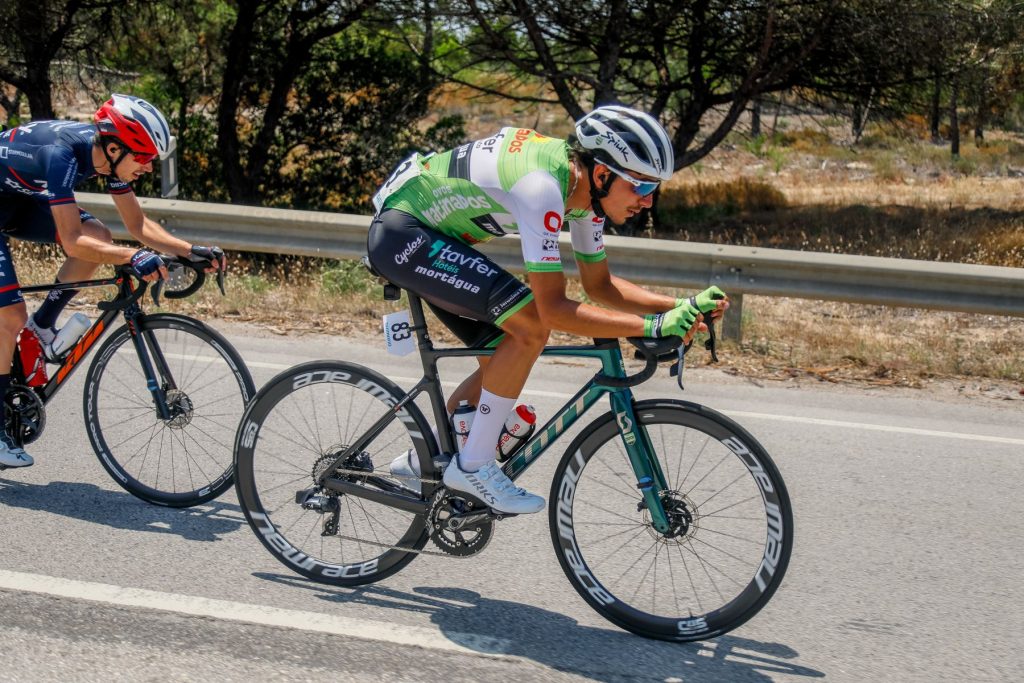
(681, 518)
(180, 407)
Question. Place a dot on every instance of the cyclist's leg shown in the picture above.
(12, 319)
(457, 278)
(73, 269)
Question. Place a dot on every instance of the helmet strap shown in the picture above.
(110, 160)
(596, 195)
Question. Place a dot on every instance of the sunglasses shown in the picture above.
(642, 188)
(141, 158)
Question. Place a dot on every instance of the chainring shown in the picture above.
(464, 542)
(26, 414)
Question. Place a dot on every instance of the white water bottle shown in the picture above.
(69, 334)
(462, 420)
(518, 427)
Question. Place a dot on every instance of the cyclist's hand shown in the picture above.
(215, 255)
(677, 321)
(148, 265)
(712, 300)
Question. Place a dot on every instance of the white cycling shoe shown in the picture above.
(13, 456)
(45, 335)
(493, 487)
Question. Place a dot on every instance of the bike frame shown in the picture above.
(132, 313)
(651, 480)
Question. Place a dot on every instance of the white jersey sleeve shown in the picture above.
(538, 208)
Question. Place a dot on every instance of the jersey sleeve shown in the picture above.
(117, 186)
(538, 212)
(587, 233)
(61, 174)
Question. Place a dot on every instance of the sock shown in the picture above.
(54, 303)
(491, 413)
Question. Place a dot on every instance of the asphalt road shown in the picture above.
(907, 564)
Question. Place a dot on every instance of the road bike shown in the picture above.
(667, 517)
(160, 395)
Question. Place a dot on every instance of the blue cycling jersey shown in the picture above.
(48, 159)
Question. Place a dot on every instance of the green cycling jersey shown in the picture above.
(515, 181)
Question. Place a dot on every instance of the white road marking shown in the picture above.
(463, 643)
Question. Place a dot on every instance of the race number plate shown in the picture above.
(398, 335)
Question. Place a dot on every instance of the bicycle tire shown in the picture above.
(598, 524)
(184, 461)
(302, 419)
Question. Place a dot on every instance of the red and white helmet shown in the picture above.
(627, 139)
(136, 123)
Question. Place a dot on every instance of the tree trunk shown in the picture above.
(936, 112)
(954, 121)
(228, 144)
(755, 118)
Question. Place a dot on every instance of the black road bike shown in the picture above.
(667, 517)
(161, 394)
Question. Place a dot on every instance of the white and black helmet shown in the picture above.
(627, 139)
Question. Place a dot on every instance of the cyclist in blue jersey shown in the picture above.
(41, 164)
(433, 210)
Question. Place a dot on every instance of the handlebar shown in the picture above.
(178, 267)
(654, 350)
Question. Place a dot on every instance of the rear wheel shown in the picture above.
(731, 528)
(295, 429)
(185, 459)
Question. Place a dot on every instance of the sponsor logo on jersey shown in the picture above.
(437, 212)
(553, 221)
(521, 135)
(458, 165)
(549, 244)
(489, 144)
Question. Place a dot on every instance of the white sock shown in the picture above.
(491, 413)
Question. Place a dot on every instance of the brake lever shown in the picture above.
(220, 281)
(677, 368)
(712, 341)
(155, 290)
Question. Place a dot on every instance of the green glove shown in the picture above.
(706, 301)
(676, 322)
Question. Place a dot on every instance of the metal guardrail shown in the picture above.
(737, 270)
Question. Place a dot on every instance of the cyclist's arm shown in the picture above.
(77, 244)
(559, 312)
(619, 293)
(146, 230)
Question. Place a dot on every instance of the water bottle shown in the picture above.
(518, 427)
(69, 335)
(33, 364)
(462, 420)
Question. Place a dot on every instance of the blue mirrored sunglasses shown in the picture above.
(642, 187)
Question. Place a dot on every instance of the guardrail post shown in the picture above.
(733, 323)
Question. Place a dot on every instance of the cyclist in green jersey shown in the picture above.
(434, 208)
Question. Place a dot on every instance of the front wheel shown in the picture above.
(731, 526)
(184, 459)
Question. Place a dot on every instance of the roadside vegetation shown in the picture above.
(818, 200)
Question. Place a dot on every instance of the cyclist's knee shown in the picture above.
(526, 327)
(12, 319)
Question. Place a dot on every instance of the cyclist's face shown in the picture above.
(622, 201)
(131, 168)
